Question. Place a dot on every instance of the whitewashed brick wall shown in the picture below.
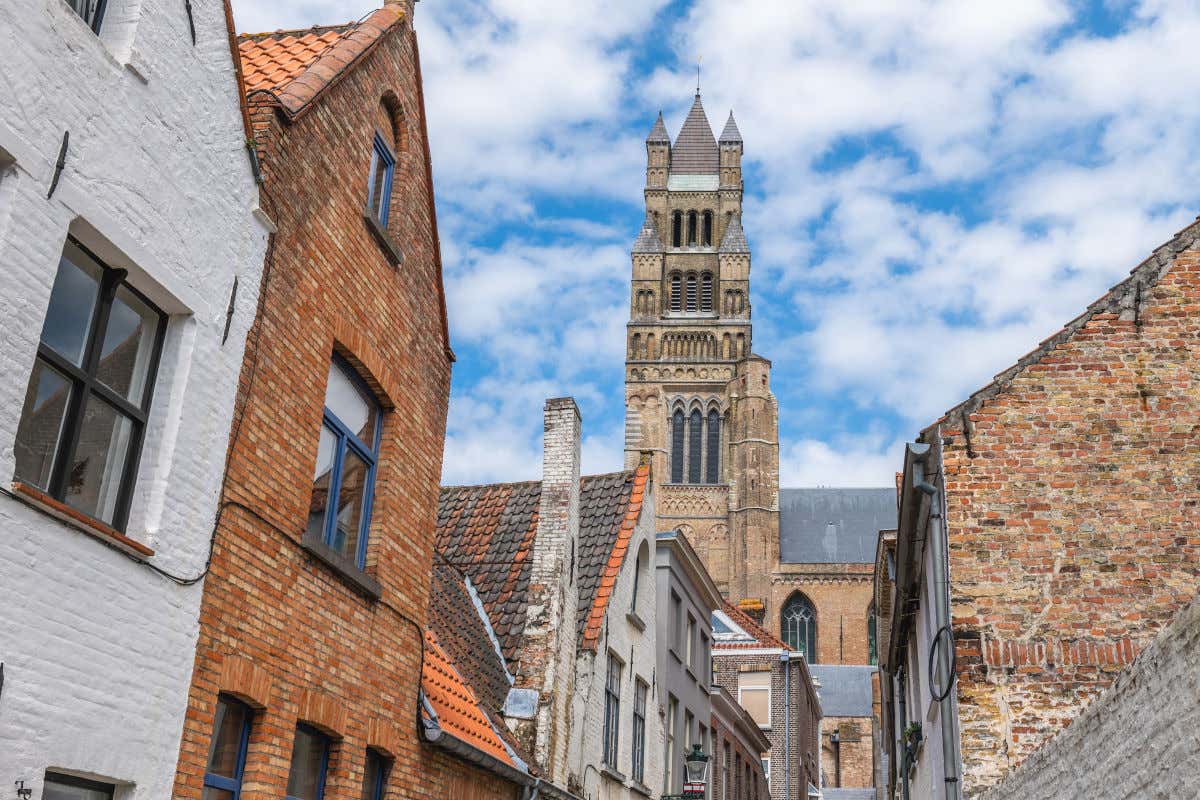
(97, 649)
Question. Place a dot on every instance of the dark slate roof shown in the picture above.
(464, 635)
(648, 240)
(833, 526)
(658, 134)
(487, 532)
(695, 151)
(734, 240)
(845, 690)
(731, 134)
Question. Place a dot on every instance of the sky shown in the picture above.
(932, 188)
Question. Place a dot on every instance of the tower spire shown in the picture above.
(698, 60)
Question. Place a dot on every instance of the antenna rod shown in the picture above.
(698, 60)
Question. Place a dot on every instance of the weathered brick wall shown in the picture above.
(847, 763)
(735, 773)
(321, 651)
(1137, 740)
(451, 778)
(840, 594)
(1073, 523)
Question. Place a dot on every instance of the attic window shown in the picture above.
(379, 196)
(92, 12)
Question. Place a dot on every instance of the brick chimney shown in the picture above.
(547, 653)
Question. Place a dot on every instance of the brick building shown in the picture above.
(1050, 520)
(700, 400)
(563, 569)
(773, 683)
(131, 249)
(737, 769)
(312, 625)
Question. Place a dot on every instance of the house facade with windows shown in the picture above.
(738, 768)
(773, 683)
(563, 569)
(131, 251)
(308, 671)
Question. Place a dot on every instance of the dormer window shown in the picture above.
(92, 12)
(379, 196)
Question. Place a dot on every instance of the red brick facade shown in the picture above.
(1074, 524)
(279, 627)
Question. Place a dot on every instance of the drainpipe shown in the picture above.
(785, 658)
(938, 542)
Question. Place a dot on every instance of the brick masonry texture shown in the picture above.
(1139, 739)
(848, 763)
(1073, 520)
(326, 653)
(98, 650)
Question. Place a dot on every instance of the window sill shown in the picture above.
(691, 674)
(675, 655)
(343, 566)
(641, 788)
(636, 621)
(612, 774)
(389, 246)
(78, 520)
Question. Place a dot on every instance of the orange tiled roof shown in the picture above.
(594, 620)
(453, 700)
(763, 637)
(296, 66)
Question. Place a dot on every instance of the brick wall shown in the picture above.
(1137, 740)
(735, 772)
(849, 762)
(840, 594)
(321, 651)
(1073, 524)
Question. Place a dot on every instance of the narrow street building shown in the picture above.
(738, 770)
(309, 664)
(131, 248)
(1050, 523)
(562, 567)
(774, 684)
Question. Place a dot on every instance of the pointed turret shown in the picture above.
(731, 134)
(695, 151)
(648, 240)
(658, 134)
(734, 240)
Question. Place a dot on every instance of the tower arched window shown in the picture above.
(677, 436)
(677, 229)
(676, 292)
(798, 622)
(707, 229)
(712, 464)
(693, 300)
(695, 437)
(706, 292)
(691, 229)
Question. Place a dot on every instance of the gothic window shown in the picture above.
(706, 292)
(676, 291)
(712, 467)
(691, 229)
(677, 447)
(692, 298)
(694, 439)
(799, 625)
(707, 235)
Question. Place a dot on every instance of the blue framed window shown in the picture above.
(310, 762)
(227, 751)
(344, 479)
(379, 188)
(375, 776)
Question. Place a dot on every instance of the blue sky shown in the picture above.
(932, 188)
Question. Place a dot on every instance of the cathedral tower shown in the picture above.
(695, 395)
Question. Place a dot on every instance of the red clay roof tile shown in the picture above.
(458, 711)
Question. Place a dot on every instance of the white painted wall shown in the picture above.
(97, 649)
(620, 636)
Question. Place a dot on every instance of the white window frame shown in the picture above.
(767, 688)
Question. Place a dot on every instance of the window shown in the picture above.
(68, 787)
(689, 725)
(707, 235)
(345, 473)
(705, 671)
(227, 750)
(692, 294)
(691, 229)
(677, 229)
(676, 623)
(612, 710)
(379, 189)
(676, 292)
(690, 645)
(695, 438)
(310, 759)
(727, 767)
(712, 467)
(766, 766)
(754, 695)
(706, 292)
(374, 776)
(669, 752)
(639, 730)
(81, 430)
(872, 648)
(92, 12)
(639, 567)
(799, 624)
(677, 436)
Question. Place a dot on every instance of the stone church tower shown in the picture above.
(696, 396)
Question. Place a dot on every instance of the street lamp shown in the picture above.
(696, 764)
